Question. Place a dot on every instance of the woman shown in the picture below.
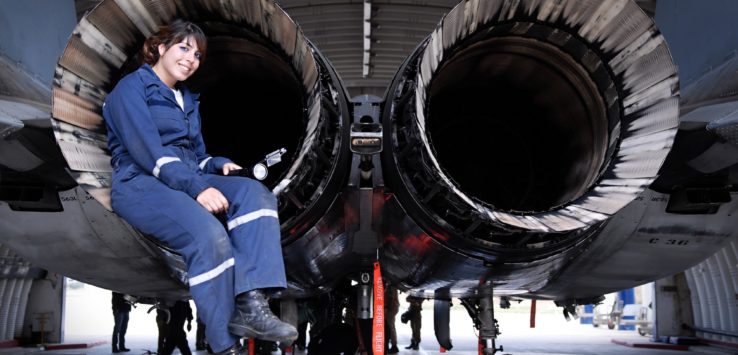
(165, 185)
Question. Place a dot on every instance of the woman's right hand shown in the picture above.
(213, 200)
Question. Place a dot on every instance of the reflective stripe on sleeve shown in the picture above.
(209, 275)
(161, 162)
(250, 217)
(202, 163)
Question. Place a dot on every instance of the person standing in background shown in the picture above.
(175, 334)
(121, 311)
(162, 320)
(413, 315)
(201, 343)
(391, 307)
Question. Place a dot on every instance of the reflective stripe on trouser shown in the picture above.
(255, 236)
(250, 258)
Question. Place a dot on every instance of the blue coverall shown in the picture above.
(159, 168)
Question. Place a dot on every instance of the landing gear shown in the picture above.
(481, 310)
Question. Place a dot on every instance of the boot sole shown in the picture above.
(248, 332)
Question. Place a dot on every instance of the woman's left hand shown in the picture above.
(227, 167)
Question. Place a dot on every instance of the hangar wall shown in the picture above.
(14, 289)
(714, 289)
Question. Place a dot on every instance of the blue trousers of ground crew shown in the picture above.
(223, 259)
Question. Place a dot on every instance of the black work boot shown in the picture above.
(122, 346)
(253, 319)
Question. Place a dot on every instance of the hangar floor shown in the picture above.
(88, 320)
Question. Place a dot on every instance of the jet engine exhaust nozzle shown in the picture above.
(530, 117)
(262, 86)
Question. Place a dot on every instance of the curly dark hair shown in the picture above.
(172, 34)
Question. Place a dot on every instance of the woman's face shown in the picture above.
(178, 62)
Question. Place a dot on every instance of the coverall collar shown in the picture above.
(151, 80)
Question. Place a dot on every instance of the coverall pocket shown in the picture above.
(168, 121)
(134, 180)
(143, 182)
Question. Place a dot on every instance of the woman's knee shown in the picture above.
(211, 241)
